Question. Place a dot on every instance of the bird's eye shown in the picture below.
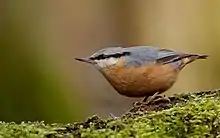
(126, 53)
(102, 56)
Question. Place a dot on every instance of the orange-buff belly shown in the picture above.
(141, 81)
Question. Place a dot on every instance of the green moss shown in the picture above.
(194, 115)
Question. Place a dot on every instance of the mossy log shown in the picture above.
(186, 115)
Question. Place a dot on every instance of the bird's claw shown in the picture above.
(155, 98)
(136, 104)
(161, 99)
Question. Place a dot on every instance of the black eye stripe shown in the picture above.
(117, 55)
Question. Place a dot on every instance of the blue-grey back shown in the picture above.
(146, 54)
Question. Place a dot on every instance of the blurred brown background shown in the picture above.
(41, 81)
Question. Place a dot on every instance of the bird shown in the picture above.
(140, 71)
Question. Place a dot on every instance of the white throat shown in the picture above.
(106, 62)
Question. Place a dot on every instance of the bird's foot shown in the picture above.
(155, 99)
(149, 99)
(161, 99)
(136, 104)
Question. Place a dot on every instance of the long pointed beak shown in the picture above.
(87, 60)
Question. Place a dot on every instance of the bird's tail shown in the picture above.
(195, 56)
(188, 58)
(202, 56)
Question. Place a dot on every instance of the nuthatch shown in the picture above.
(140, 71)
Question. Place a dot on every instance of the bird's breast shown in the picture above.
(141, 81)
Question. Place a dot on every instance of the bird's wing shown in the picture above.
(147, 54)
(140, 55)
(166, 56)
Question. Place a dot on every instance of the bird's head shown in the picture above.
(106, 57)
